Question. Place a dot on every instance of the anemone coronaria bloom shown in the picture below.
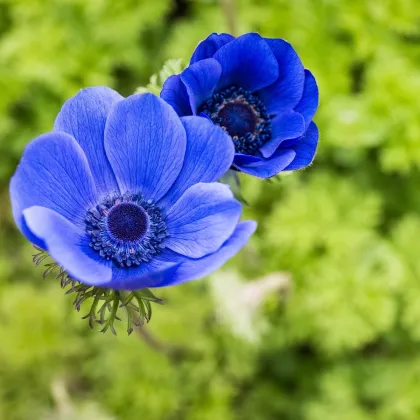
(122, 193)
(257, 90)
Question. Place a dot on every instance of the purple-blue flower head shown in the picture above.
(257, 90)
(122, 193)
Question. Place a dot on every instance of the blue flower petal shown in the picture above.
(202, 220)
(287, 91)
(285, 126)
(84, 117)
(209, 46)
(53, 173)
(208, 157)
(30, 236)
(201, 79)
(305, 148)
(175, 94)
(145, 143)
(203, 115)
(248, 62)
(68, 245)
(192, 269)
(159, 269)
(266, 168)
(170, 268)
(310, 99)
(241, 159)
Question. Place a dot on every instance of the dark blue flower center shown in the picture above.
(238, 118)
(127, 222)
(243, 115)
(126, 229)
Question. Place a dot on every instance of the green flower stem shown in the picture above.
(229, 10)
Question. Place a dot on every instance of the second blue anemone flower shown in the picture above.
(257, 90)
(122, 193)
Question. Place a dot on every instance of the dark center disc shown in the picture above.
(238, 118)
(127, 222)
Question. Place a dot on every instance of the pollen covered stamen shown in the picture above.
(243, 115)
(126, 229)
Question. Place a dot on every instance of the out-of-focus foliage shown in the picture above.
(343, 341)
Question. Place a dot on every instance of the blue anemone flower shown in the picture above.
(122, 193)
(258, 91)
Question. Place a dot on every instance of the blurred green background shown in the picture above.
(333, 332)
